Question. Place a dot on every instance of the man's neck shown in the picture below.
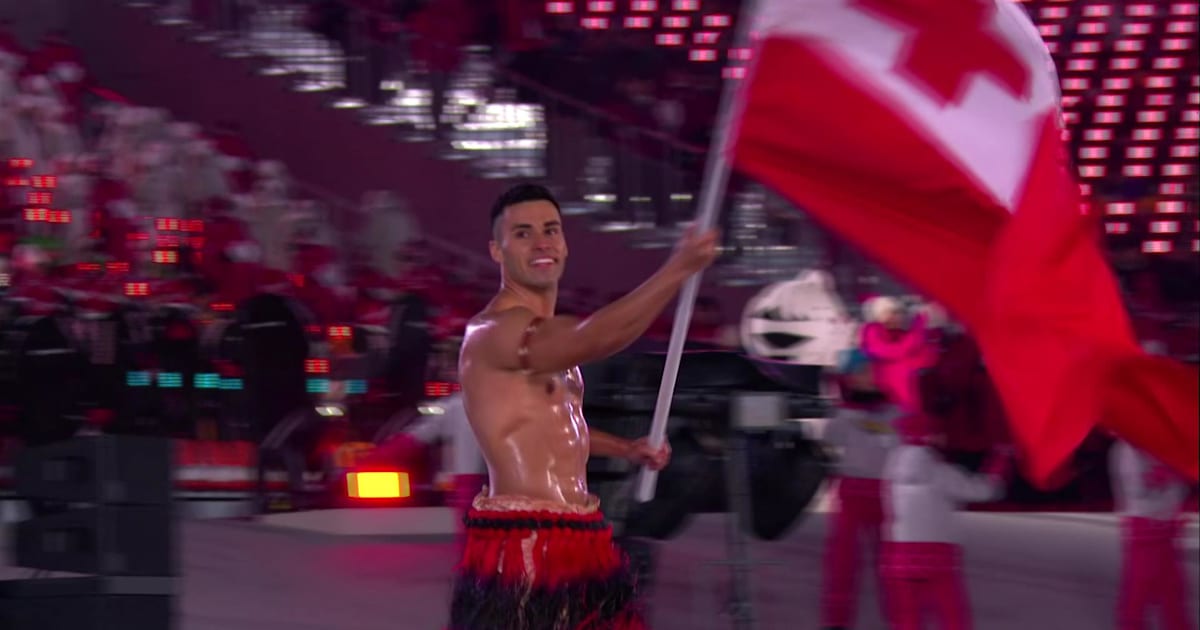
(540, 302)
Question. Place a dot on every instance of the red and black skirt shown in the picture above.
(542, 570)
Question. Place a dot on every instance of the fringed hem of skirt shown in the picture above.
(543, 571)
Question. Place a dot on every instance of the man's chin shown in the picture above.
(541, 285)
(545, 280)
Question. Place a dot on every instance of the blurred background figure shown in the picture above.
(898, 348)
(861, 430)
(386, 229)
(1149, 497)
(709, 325)
(922, 554)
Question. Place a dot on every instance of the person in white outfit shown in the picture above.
(862, 431)
(466, 463)
(1150, 498)
(921, 559)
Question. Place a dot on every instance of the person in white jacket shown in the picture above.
(465, 464)
(1150, 498)
(862, 431)
(921, 559)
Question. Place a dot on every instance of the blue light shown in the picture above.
(317, 386)
(356, 386)
(231, 384)
(170, 380)
(137, 379)
(206, 381)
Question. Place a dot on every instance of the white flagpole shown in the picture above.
(716, 179)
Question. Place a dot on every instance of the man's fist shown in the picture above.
(643, 454)
(696, 249)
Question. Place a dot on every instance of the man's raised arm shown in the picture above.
(516, 339)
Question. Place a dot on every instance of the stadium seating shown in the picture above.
(1131, 93)
(1131, 101)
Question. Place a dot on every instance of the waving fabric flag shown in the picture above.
(927, 134)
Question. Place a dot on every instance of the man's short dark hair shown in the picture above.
(520, 194)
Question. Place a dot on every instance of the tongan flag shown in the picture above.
(926, 133)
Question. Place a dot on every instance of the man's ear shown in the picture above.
(494, 250)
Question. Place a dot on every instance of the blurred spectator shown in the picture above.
(59, 59)
(441, 29)
(239, 158)
(708, 324)
(8, 39)
(385, 230)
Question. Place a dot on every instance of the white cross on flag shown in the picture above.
(927, 134)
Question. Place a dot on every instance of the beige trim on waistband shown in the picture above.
(515, 503)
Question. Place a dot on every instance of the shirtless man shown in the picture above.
(538, 554)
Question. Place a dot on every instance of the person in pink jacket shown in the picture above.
(921, 558)
(896, 353)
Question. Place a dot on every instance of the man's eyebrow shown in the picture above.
(527, 226)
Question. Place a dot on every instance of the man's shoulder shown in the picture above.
(494, 316)
(496, 322)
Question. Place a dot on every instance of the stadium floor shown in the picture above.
(1043, 572)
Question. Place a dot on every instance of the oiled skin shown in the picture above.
(530, 428)
(518, 366)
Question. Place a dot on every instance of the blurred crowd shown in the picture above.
(106, 201)
(656, 87)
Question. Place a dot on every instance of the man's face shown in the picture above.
(528, 243)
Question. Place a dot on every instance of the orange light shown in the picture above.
(137, 289)
(316, 366)
(378, 485)
(437, 389)
(44, 181)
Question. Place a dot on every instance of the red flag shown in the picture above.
(927, 134)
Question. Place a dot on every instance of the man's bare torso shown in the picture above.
(530, 427)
